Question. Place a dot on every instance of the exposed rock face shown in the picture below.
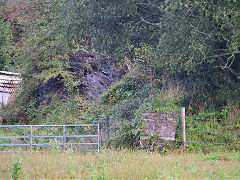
(99, 72)
(46, 91)
(95, 73)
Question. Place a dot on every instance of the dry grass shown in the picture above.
(121, 164)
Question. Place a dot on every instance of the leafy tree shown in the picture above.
(200, 44)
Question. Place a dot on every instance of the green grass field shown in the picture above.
(120, 164)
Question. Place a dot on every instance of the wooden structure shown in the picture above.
(9, 81)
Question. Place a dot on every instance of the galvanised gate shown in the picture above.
(26, 138)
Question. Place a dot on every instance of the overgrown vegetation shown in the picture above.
(174, 53)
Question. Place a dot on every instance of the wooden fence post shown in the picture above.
(183, 127)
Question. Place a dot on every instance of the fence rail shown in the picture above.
(63, 137)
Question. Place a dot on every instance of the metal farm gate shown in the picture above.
(32, 138)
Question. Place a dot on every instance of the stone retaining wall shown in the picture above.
(161, 124)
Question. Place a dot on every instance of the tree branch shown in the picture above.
(153, 24)
(148, 4)
(224, 54)
(228, 64)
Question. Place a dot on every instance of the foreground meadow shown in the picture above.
(119, 164)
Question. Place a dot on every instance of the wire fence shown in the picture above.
(212, 133)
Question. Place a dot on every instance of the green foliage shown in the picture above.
(126, 100)
(17, 170)
(6, 37)
(121, 103)
(120, 91)
(42, 52)
(212, 115)
(184, 35)
(220, 156)
(203, 131)
(62, 111)
(20, 131)
(103, 168)
(196, 43)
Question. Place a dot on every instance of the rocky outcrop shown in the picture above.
(94, 72)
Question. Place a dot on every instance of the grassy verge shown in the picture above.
(119, 164)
